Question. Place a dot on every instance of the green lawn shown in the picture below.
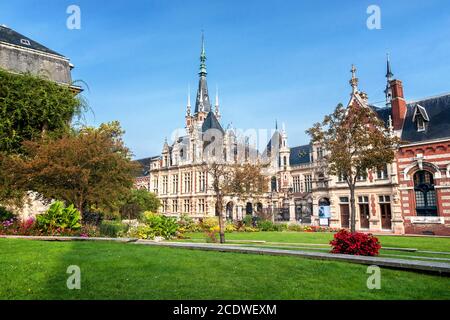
(37, 270)
(421, 243)
(439, 247)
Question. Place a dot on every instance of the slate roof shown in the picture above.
(145, 165)
(211, 122)
(202, 96)
(300, 155)
(438, 126)
(383, 114)
(13, 37)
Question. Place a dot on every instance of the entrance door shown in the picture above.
(345, 216)
(364, 216)
(386, 216)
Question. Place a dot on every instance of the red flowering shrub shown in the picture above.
(359, 244)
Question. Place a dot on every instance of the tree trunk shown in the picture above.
(221, 222)
(352, 209)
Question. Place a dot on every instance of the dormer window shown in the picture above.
(25, 42)
(420, 118)
(420, 123)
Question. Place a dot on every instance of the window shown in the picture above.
(165, 184)
(201, 205)
(343, 200)
(425, 194)
(297, 184)
(186, 205)
(319, 153)
(164, 205)
(420, 123)
(175, 183)
(382, 173)
(342, 177)
(155, 185)
(384, 199)
(25, 42)
(202, 181)
(363, 199)
(308, 183)
(187, 182)
(273, 184)
(362, 176)
(174, 206)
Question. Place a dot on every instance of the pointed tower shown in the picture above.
(188, 109)
(202, 103)
(354, 81)
(216, 107)
(389, 76)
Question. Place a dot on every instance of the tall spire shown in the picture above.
(202, 103)
(188, 107)
(389, 73)
(216, 109)
(354, 80)
(203, 72)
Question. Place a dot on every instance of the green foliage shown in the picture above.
(157, 225)
(30, 105)
(247, 220)
(187, 224)
(59, 217)
(137, 202)
(209, 223)
(6, 214)
(113, 228)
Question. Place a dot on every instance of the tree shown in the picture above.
(355, 140)
(30, 106)
(138, 201)
(88, 167)
(240, 180)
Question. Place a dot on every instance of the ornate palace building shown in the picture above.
(410, 195)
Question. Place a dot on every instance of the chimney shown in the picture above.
(398, 104)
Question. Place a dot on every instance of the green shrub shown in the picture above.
(266, 225)
(157, 225)
(6, 214)
(59, 217)
(187, 224)
(230, 227)
(209, 223)
(113, 228)
(248, 221)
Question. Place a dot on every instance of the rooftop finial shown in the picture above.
(389, 73)
(188, 108)
(203, 72)
(354, 80)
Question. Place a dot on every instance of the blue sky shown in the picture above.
(285, 60)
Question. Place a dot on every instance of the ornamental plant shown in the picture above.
(59, 218)
(356, 243)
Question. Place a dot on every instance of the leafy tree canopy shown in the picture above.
(30, 106)
(89, 166)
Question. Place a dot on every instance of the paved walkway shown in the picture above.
(426, 266)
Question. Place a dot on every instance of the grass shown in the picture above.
(37, 270)
(320, 241)
(421, 243)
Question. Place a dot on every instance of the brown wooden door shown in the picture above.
(345, 216)
(386, 216)
(364, 216)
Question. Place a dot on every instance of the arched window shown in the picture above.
(273, 184)
(425, 194)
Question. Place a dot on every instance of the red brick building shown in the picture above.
(423, 160)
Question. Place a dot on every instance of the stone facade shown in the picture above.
(300, 190)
